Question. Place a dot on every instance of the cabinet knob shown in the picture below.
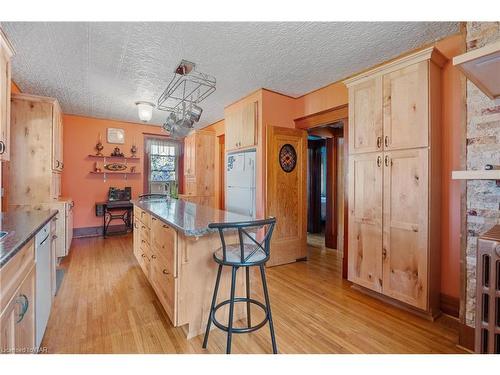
(153, 256)
(165, 272)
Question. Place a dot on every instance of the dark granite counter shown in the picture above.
(21, 227)
(189, 218)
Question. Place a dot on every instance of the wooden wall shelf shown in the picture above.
(111, 172)
(124, 158)
(476, 175)
(482, 67)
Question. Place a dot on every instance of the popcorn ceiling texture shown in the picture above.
(100, 69)
(483, 147)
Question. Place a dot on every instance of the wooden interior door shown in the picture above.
(406, 107)
(365, 116)
(286, 196)
(406, 226)
(365, 220)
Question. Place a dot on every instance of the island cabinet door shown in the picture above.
(137, 236)
(365, 220)
(406, 226)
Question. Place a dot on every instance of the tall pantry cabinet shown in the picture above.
(394, 179)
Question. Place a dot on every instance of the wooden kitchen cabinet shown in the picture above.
(17, 302)
(241, 126)
(394, 192)
(406, 107)
(199, 163)
(365, 220)
(365, 116)
(36, 125)
(6, 53)
(155, 248)
(406, 218)
(57, 138)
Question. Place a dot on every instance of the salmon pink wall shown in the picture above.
(453, 158)
(80, 136)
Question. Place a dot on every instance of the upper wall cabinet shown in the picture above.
(365, 116)
(389, 105)
(36, 126)
(406, 107)
(241, 126)
(6, 53)
(199, 166)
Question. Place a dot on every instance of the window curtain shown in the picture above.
(161, 146)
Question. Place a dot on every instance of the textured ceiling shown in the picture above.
(100, 69)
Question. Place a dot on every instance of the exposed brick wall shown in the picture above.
(483, 147)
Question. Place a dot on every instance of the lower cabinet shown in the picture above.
(17, 322)
(155, 248)
(393, 227)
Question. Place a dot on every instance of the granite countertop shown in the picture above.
(21, 227)
(190, 218)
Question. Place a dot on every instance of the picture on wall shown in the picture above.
(116, 135)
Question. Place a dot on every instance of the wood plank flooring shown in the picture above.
(105, 305)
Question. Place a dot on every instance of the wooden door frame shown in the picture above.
(314, 174)
(336, 114)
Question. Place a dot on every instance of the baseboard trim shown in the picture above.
(428, 315)
(466, 337)
(449, 305)
(93, 231)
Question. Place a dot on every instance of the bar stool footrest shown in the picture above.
(240, 330)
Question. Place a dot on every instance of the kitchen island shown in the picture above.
(174, 247)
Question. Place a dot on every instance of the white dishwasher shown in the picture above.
(43, 290)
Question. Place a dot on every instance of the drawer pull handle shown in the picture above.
(154, 218)
(153, 256)
(54, 237)
(24, 306)
(379, 142)
(165, 226)
(165, 272)
(386, 141)
(379, 161)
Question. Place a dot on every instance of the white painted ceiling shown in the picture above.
(100, 69)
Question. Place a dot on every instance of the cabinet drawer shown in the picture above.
(164, 284)
(164, 245)
(143, 216)
(12, 273)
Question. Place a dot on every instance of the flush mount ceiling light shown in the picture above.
(145, 110)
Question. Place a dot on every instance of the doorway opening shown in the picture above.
(325, 187)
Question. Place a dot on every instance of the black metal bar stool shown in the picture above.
(243, 254)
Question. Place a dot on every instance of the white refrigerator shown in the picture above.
(240, 182)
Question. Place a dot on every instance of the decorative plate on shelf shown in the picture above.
(288, 158)
(115, 167)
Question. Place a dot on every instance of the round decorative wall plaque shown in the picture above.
(288, 158)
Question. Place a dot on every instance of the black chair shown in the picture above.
(243, 254)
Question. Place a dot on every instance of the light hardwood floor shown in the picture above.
(105, 305)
